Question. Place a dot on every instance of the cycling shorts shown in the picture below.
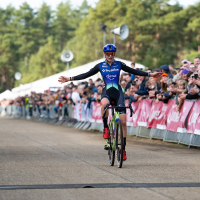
(115, 96)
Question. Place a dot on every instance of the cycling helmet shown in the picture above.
(109, 47)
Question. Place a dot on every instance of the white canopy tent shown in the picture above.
(52, 81)
(8, 95)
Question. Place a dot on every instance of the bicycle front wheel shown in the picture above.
(111, 150)
(119, 143)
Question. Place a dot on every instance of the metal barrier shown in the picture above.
(9, 110)
(195, 140)
(171, 137)
(65, 118)
(157, 133)
(185, 138)
(144, 132)
(132, 130)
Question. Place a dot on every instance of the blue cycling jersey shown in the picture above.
(111, 77)
(110, 73)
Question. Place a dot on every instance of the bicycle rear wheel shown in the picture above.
(111, 151)
(119, 143)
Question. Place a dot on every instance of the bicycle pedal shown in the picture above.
(106, 147)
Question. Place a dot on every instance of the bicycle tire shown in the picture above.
(119, 143)
(111, 152)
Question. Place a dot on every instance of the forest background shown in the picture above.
(31, 41)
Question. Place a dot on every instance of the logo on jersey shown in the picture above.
(112, 70)
(104, 65)
(111, 77)
(107, 70)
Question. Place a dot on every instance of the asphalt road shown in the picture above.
(42, 161)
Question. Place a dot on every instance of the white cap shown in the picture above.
(184, 61)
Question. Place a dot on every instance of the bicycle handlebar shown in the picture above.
(112, 107)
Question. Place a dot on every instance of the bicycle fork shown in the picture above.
(114, 140)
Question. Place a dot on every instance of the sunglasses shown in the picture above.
(110, 53)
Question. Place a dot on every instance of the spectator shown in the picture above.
(149, 70)
(181, 89)
(68, 94)
(173, 72)
(196, 62)
(90, 83)
(97, 83)
(123, 84)
(85, 89)
(165, 69)
(171, 67)
(177, 77)
(127, 94)
(99, 88)
(154, 84)
(123, 76)
(75, 95)
(137, 81)
(155, 87)
(128, 81)
(186, 64)
(143, 90)
(164, 82)
(132, 75)
(131, 92)
(191, 83)
(192, 67)
(184, 74)
(169, 94)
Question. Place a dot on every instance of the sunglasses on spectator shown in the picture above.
(110, 53)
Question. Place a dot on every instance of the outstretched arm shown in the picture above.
(138, 72)
(133, 71)
(92, 71)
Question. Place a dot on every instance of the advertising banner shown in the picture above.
(144, 112)
(96, 113)
(162, 118)
(173, 118)
(185, 110)
(154, 114)
(77, 111)
(129, 120)
(193, 116)
(197, 126)
(136, 113)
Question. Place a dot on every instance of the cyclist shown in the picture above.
(112, 91)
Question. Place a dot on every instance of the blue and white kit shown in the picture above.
(111, 77)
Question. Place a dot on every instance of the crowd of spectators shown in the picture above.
(175, 83)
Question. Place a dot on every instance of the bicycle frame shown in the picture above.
(115, 118)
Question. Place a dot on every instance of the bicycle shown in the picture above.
(115, 141)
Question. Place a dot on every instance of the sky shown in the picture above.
(76, 3)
